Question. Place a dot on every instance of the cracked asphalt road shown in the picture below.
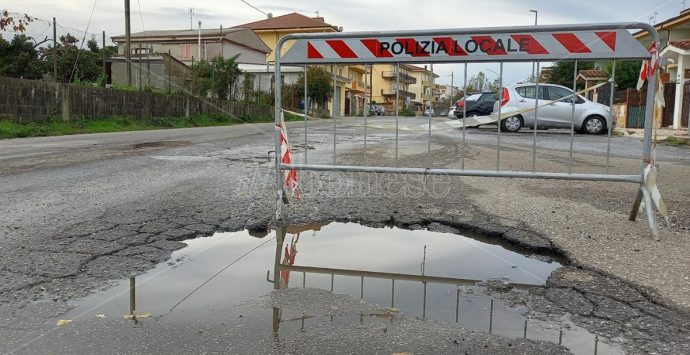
(81, 210)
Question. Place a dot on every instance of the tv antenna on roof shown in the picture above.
(317, 13)
(652, 18)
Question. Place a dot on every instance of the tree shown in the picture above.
(19, 58)
(73, 64)
(92, 44)
(68, 40)
(319, 85)
(532, 78)
(562, 72)
(627, 72)
(217, 77)
(16, 24)
(479, 83)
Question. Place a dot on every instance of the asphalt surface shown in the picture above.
(81, 210)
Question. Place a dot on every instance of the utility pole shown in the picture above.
(55, 54)
(128, 50)
(104, 54)
(191, 16)
(452, 88)
(199, 44)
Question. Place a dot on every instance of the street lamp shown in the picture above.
(536, 16)
(497, 75)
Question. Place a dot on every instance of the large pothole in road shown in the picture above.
(416, 273)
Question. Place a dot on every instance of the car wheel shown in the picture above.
(512, 124)
(594, 125)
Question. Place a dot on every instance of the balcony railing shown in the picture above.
(359, 86)
(404, 78)
(403, 93)
(341, 79)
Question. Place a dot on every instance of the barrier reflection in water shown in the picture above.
(284, 266)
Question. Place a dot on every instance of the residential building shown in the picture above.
(545, 74)
(449, 92)
(427, 92)
(674, 36)
(357, 91)
(272, 29)
(349, 99)
(184, 44)
(384, 78)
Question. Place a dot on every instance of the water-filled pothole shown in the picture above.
(439, 276)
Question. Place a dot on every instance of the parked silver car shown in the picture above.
(590, 117)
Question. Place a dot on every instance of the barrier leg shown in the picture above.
(649, 209)
(636, 205)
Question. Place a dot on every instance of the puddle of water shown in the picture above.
(363, 262)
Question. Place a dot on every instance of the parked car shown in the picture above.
(377, 110)
(429, 112)
(451, 113)
(477, 104)
(590, 117)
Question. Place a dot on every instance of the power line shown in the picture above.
(141, 16)
(74, 68)
(255, 8)
(214, 276)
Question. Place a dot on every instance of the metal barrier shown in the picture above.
(607, 41)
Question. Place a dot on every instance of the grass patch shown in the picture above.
(57, 127)
(406, 112)
(673, 140)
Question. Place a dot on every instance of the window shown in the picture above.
(556, 93)
(185, 51)
(490, 97)
(143, 50)
(528, 92)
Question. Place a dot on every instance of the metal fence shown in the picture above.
(533, 44)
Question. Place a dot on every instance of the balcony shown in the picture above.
(359, 86)
(403, 93)
(341, 79)
(358, 68)
(404, 78)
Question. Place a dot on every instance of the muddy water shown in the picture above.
(218, 272)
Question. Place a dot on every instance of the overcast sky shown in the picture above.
(352, 15)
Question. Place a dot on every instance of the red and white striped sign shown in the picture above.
(290, 176)
(616, 43)
(649, 66)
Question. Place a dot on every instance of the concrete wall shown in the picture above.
(157, 71)
(32, 100)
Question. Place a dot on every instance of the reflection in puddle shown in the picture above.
(420, 273)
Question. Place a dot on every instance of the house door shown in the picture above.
(348, 105)
(670, 99)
